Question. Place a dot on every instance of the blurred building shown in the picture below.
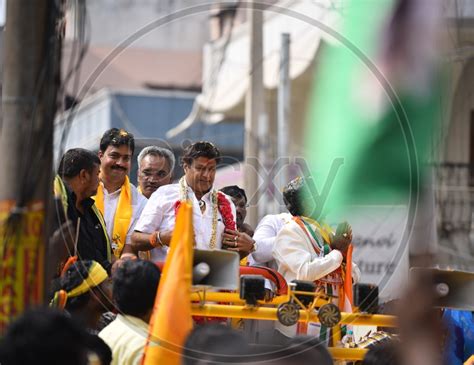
(141, 70)
(454, 164)
(179, 23)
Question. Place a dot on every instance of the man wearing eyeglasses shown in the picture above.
(214, 216)
(155, 169)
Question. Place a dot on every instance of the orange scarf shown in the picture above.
(122, 217)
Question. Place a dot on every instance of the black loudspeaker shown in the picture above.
(252, 288)
(307, 286)
(366, 297)
(453, 289)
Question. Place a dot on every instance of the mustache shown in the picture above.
(118, 168)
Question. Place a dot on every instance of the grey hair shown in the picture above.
(157, 151)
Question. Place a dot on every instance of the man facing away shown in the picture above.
(155, 169)
(117, 198)
(135, 284)
(213, 211)
(77, 180)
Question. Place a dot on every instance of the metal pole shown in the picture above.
(265, 201)
(31, 77)
(284, 100)
(254, 108)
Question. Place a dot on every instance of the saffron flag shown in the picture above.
(171, 319)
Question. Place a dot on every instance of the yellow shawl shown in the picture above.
(123, 215)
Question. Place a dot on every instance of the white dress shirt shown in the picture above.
(110, 206)
(265, 236)
(159, 215)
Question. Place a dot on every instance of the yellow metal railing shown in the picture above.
(347, 354)
(235, 298)
(235, 307)
(270, 314)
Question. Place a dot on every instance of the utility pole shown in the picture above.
(29, 96)
(284, 93)
(254, 109)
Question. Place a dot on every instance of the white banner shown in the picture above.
(379, 249)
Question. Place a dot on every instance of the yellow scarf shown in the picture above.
(123, 215)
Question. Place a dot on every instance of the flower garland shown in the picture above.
(219, 204)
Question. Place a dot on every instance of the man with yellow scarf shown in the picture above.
(118, 199)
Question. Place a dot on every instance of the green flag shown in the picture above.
(381, 128)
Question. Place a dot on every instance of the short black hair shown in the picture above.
(200, 149)
(235, 192)
(71, 279)
(75, 160)
(44, 336)
(135, 286)
(214, 344)
(100, 348)
(384, 353)
(117, 137)
(304, 350)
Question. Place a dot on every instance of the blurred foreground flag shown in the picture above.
(376, 103)
(171, 320)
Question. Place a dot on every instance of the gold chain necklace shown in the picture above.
(183, 196)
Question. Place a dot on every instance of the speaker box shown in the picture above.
(252, 288)
(366, 297)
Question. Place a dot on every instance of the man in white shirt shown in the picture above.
(119, 200)
(307, 250)
(213, 211)
(265, 236)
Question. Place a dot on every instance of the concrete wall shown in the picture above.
(111, 21)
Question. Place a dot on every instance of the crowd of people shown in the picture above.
(114, 233)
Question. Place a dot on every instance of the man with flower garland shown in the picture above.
(213, 211)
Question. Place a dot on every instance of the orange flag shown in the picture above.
(171, 320)
(347, 302)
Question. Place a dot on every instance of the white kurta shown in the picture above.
(110, 206)
(297, 259)
(265, 236)
(159, 215)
